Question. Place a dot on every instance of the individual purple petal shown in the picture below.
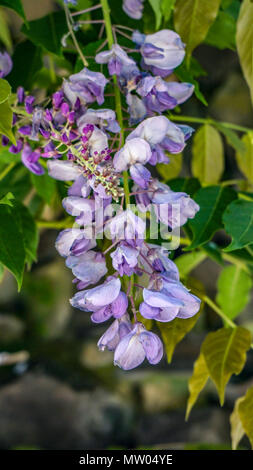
(87, 86)
(153, 130)
(20, 94)
(63, 170)
(124, 259)
(97, 297)
(66, 242)
(80, 187)
(75, 205)
(152, 346)
(134, 151)
(5, 64)
(133, 8)
(104, 118)
(30, 160)
(118, 329)
(88, 267)
(140, 174)
(116, 58)
(129, 353)
(119, 305)
(29, 100)
(127, 226)
(136, 109)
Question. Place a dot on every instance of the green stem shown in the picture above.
(7, 170)
(73, 36)
(61, 224)
(229, 125)
(215, 307)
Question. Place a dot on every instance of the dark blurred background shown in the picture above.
(67, 394)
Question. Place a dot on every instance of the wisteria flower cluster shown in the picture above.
(83, 145)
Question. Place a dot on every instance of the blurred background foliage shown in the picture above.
(57, 391)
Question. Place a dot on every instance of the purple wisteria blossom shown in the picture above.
(87, 86)
(125, 259)
(114, 334)
(5, 64)
(163, 51)
(133, 8)
(159, 95)
(30, 160)
(116, 58)
(101, 160)
(135, 346)
(136, 150)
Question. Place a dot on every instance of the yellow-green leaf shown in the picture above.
(237, 431)
(225, 354)
(242, 419)
(245, 159)
(186, 263)
(244, 41)
(192, 20)
(6, 121)
(197, 382)
(174, 331)
(170, 170)
(234, 286)
(208, 156)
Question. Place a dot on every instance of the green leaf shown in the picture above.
(244, 157)
(186, 263)
(166, 8)
(244, 42)
(238, 221)
(15, 5)
(6, 121)
(213, 201)
(241, 419)
(29, 231)
(27, 62)
(208, 157)
(47, 31)
(45, 186)
(197, 382)
(174, 331)
(234, 286)
(156, 6)
(5, 36)
(5, 90)
(222, 32)
(172, 169)
(12, 251)
(7, 199)
(225, 354)
(192, 20)
(231, 137)
(237, 431)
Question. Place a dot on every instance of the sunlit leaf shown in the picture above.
(174, 331)
(234, 286)
(186, 263)
(242, 419)
(156, 6)
(225, 354)
(192, 20)
(244, 41)
(6, 121)
(197, 382)
(244, 157)
(208, 157)
(238, 221)
(5, 90)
